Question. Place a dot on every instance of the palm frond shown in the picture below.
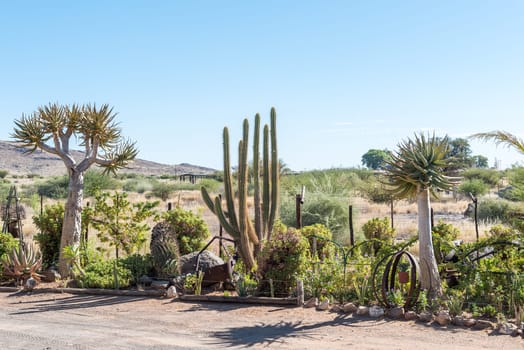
(501, 137)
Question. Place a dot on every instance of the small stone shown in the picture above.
(336, 308)
(396, 312)
(30, 284)
(482, 325)
(376, 311)
(313, 302)
(425, 316)
(171, 292)
(363, 311)
(469, 322)
(324, 305)
(349, 308)
(443, 318)
(159, 284)
(51, 275)
(410, 316)
(458, 321)
(507, 328)
(145, 280)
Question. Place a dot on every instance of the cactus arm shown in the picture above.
(233, 231)
(275, 174)
(207, 199)
(266, 188)
(228, 183)
(256, 179)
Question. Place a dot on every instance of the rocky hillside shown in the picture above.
(16, 162)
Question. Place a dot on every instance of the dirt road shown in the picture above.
(63, 321)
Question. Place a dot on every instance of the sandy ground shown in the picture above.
(64, 321)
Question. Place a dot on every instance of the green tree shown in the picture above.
(417, 170)
(50, 128)
(49, 224)
(375, 158)
(479, 161)
(120, 223)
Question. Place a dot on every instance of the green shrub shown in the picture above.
(138, 185)
(493, 210)
(138, 265)
(476, 187)
(49, 223)
(324, 247)
(380, 229)
(284, 259)
(7, 243)
(95, 180)
(488, 176)
(55, 188)
(163, 190)
(100, 274)
(3, 174)
(191, 230)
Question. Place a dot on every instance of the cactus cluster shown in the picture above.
(235, 218)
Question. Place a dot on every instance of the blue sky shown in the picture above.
(344, 76)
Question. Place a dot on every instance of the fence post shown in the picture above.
(300, 292)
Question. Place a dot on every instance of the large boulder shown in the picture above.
(188, 262)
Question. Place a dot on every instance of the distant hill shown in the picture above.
(16, 162)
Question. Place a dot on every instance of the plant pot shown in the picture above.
(403, 277)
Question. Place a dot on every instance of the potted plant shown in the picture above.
(403, 272)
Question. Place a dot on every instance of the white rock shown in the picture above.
(313, 302)
(324, 305)
(171, 292)
(363, 311)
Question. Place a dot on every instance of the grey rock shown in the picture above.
(482, 325)
(425, 316)
(376, 311)
(30, 284)
(313, 302)
(323, 305)
(188, 262)
(51, 275)
(363, 311)
(410, 316)
(396, 312)
(349, 308)
(443, 318)
(145, 280)
(469, 322)
(507, 328)
(159, 284)
(459, 321)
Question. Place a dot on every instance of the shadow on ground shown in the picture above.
(74, 302)
(267, 334)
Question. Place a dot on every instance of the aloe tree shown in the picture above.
(417, 170)
(50, 128)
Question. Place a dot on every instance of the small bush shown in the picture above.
(7, 243)
(50, 225)
(324, 247)
(163, 190)
(284, 259)
(55, 188)
(100, 274)
(490, 177)
(191, 230)
(95, 180)
(3, 174)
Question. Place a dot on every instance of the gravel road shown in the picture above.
(48, 321)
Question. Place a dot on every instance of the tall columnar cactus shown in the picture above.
(236, 218)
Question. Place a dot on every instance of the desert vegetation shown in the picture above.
(336, 237)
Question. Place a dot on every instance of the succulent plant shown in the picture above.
(22, 263)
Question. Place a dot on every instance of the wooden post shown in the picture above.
(391, 210)
(169, 206)
(432, 219)
(298, 210)
(300, 293)
(351, 231)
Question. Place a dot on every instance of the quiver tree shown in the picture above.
(50, 129)
(417, 170)
(235, 218)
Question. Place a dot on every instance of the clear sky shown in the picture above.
(344, 76)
